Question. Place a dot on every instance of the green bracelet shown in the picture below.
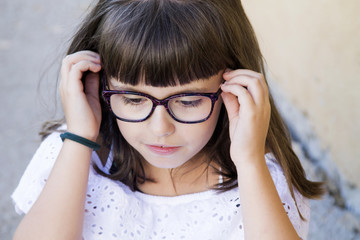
(80, 140)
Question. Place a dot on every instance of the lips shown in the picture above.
(163, 150)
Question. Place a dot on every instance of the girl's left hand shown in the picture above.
(246, 98)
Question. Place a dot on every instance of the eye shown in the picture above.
(190, 103)
(133, 100)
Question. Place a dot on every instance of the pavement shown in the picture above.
(33, 37)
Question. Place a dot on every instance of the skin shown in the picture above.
(161, 129)
(245, 95)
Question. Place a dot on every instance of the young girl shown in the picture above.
(192, 146)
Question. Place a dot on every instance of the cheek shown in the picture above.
(197, 134)
(215, 116)
(128, 131)
(206, 129)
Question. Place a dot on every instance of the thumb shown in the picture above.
(232, 104)
(92, 81)
(91, 85)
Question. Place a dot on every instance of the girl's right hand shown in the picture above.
(81, 101)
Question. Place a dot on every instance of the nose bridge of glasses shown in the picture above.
(158, 102)
(166, 111)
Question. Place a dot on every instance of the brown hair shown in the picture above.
(169, 42)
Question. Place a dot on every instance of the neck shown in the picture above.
(192, 177)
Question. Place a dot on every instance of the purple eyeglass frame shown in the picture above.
(156, 102)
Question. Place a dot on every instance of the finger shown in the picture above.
(229, 74)
(80, 54)
(232, 73)
(253, 85)
(92, 85)
(74, 58)
(231, 104)
(83, 66)
(73, 82)
(92, 91)
(243, 96)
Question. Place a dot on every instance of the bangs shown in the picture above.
(162, 43)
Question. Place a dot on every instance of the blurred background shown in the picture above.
(312, 52)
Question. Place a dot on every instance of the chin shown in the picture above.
(169, 165)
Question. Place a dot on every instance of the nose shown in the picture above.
(161, 123)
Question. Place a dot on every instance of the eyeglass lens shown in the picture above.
(134, 107)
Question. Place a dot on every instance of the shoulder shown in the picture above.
(46, 154)
(37, 172)
(39, 168)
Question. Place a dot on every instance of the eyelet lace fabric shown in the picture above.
(113, 211)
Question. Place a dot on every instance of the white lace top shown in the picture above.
(113, 211)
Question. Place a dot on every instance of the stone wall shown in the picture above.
(313, 52)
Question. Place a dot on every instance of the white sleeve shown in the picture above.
(36, 173)
(301, 227)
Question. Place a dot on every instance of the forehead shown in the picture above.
(210, 84)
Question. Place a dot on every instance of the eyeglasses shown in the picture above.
(130, 106)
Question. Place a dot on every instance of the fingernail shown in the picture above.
(227, 70)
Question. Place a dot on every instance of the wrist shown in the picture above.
(244, 160)
(85, 134)
(81, 140)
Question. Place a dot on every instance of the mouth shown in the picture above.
(163, 149)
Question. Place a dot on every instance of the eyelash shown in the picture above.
(192, 104)
(132, 101)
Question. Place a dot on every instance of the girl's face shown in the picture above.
(161, 140)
